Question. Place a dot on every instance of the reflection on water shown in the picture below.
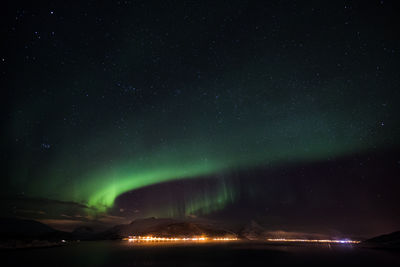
(122, 253)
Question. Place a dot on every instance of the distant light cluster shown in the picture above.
(314, 240)
(176, 239)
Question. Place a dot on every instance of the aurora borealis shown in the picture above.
(106, 104)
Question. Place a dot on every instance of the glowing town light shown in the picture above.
(175, 239)
(314, 240)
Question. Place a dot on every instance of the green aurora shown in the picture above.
(311, 139)
(92, 119)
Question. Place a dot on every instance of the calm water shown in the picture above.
(122, 253)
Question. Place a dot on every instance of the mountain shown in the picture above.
(19, 228)
(18, 233)
(252, 231)
(84, 233)
(165, 228)
(187, 229)
(391, 240)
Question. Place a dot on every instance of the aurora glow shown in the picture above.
(307, 137)
(102, 105)
(100, 188)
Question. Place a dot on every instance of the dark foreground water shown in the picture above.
(122, 253)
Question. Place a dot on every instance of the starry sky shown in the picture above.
(279, 111)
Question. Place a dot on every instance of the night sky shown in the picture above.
(282, 112)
